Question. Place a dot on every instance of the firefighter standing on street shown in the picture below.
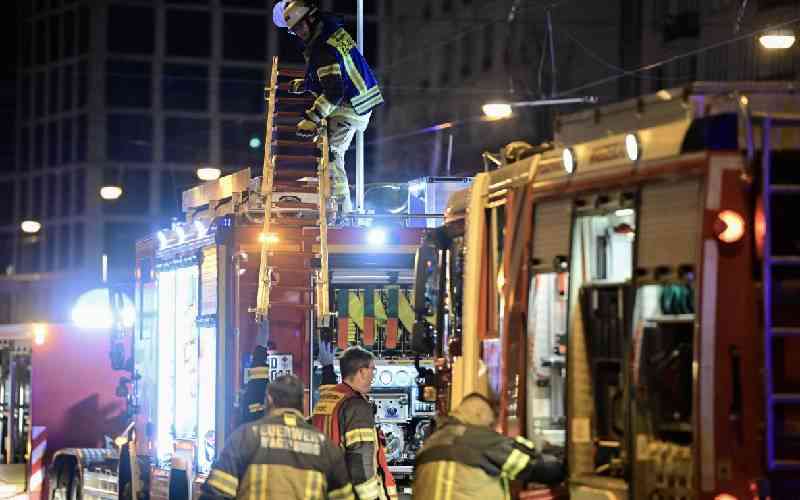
(465, 459)
(337, 74)
(347, 417)
(279, 456)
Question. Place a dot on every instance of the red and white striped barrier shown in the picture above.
(36, 463)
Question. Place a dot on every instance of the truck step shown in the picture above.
(292, 72)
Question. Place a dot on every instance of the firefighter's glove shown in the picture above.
(307, 129)
(327, 353)
(297, 86)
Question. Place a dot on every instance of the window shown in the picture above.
(24, 207)
(448, 52)
(135, 199)
(185, 87)
(80, 192)
(29, 254)
(39, 94)
(188, 33)
(6, 203)
(66, 141)
(82, 144)
(77, 245)
(52, 103)
(41, 41)
(83, 84)
(372, 54)
(120, 244)
(25, 149)
(36, 198)
(173, 183)
(240, 90)
(447, 5)
(66, 195)
(245, 37)
(125, 29)
(69, 34)
(488, 46)
(52, 189)
(67, 74)
(52, 144)
(25, 97)
(129, 138)
(466, 56)
(63, 247)
(6, 258)
(55, 37)
(427, 11)
(38, 147)
(83, 30)
(236, 150)
(50, 251)
(186, 140)
(128, 84)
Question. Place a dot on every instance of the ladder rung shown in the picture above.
(785, 188)
(289, 305)
(287, 143)
(294, 222)
(289, 114)
(285, 187)
(785, 260)
(295, 100)
(785, 465)
(786, 398)
(785, 331)
(296, 159)
(292, 72)
(292, 288)
(293, 205)
(293, 173)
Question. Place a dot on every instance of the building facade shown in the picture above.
(134, 93)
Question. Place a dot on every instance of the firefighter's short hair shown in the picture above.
(353, 359)
(286, 391)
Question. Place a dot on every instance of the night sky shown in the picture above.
(8, 56)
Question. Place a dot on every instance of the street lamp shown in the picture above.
(777, 39)
(110, 192)
(502, 110)
(208, 173)
(31, 226)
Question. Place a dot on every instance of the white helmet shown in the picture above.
(277, 14)
(295, 11)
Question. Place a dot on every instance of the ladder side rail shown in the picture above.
(267, 179)
(766, 167)
(323, 179)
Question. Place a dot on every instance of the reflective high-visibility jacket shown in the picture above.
(348, 419)
(464, 462)
(336, 71)
(278, 457)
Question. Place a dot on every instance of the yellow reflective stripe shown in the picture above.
(333, 69)
(352, 72)
(290, 420)
(223, 482)
(515, 463)
(261, 372)
(366, 106)
(255, 407)
(368, 490)
(366, 95)
(322, 106)
(444, 476)
(359, 436)
(343, 493)
(313, 485)
(521, 440)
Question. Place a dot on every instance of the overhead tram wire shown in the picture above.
(694, 52)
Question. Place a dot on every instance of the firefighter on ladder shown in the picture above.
(346, 416)
(337, 74)
(465, 459)
(279, 456)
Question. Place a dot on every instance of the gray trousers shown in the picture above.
(342, 127)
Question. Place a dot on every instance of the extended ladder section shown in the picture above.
(781, 279)
(295, 187)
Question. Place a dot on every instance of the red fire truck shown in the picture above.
(627, 293)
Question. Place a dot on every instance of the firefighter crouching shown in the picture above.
(465, 459)
(279, 456)
(347, 417)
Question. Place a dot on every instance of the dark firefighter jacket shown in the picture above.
(463, 462)
(348, 419)
(337, 72)
(278, 457)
